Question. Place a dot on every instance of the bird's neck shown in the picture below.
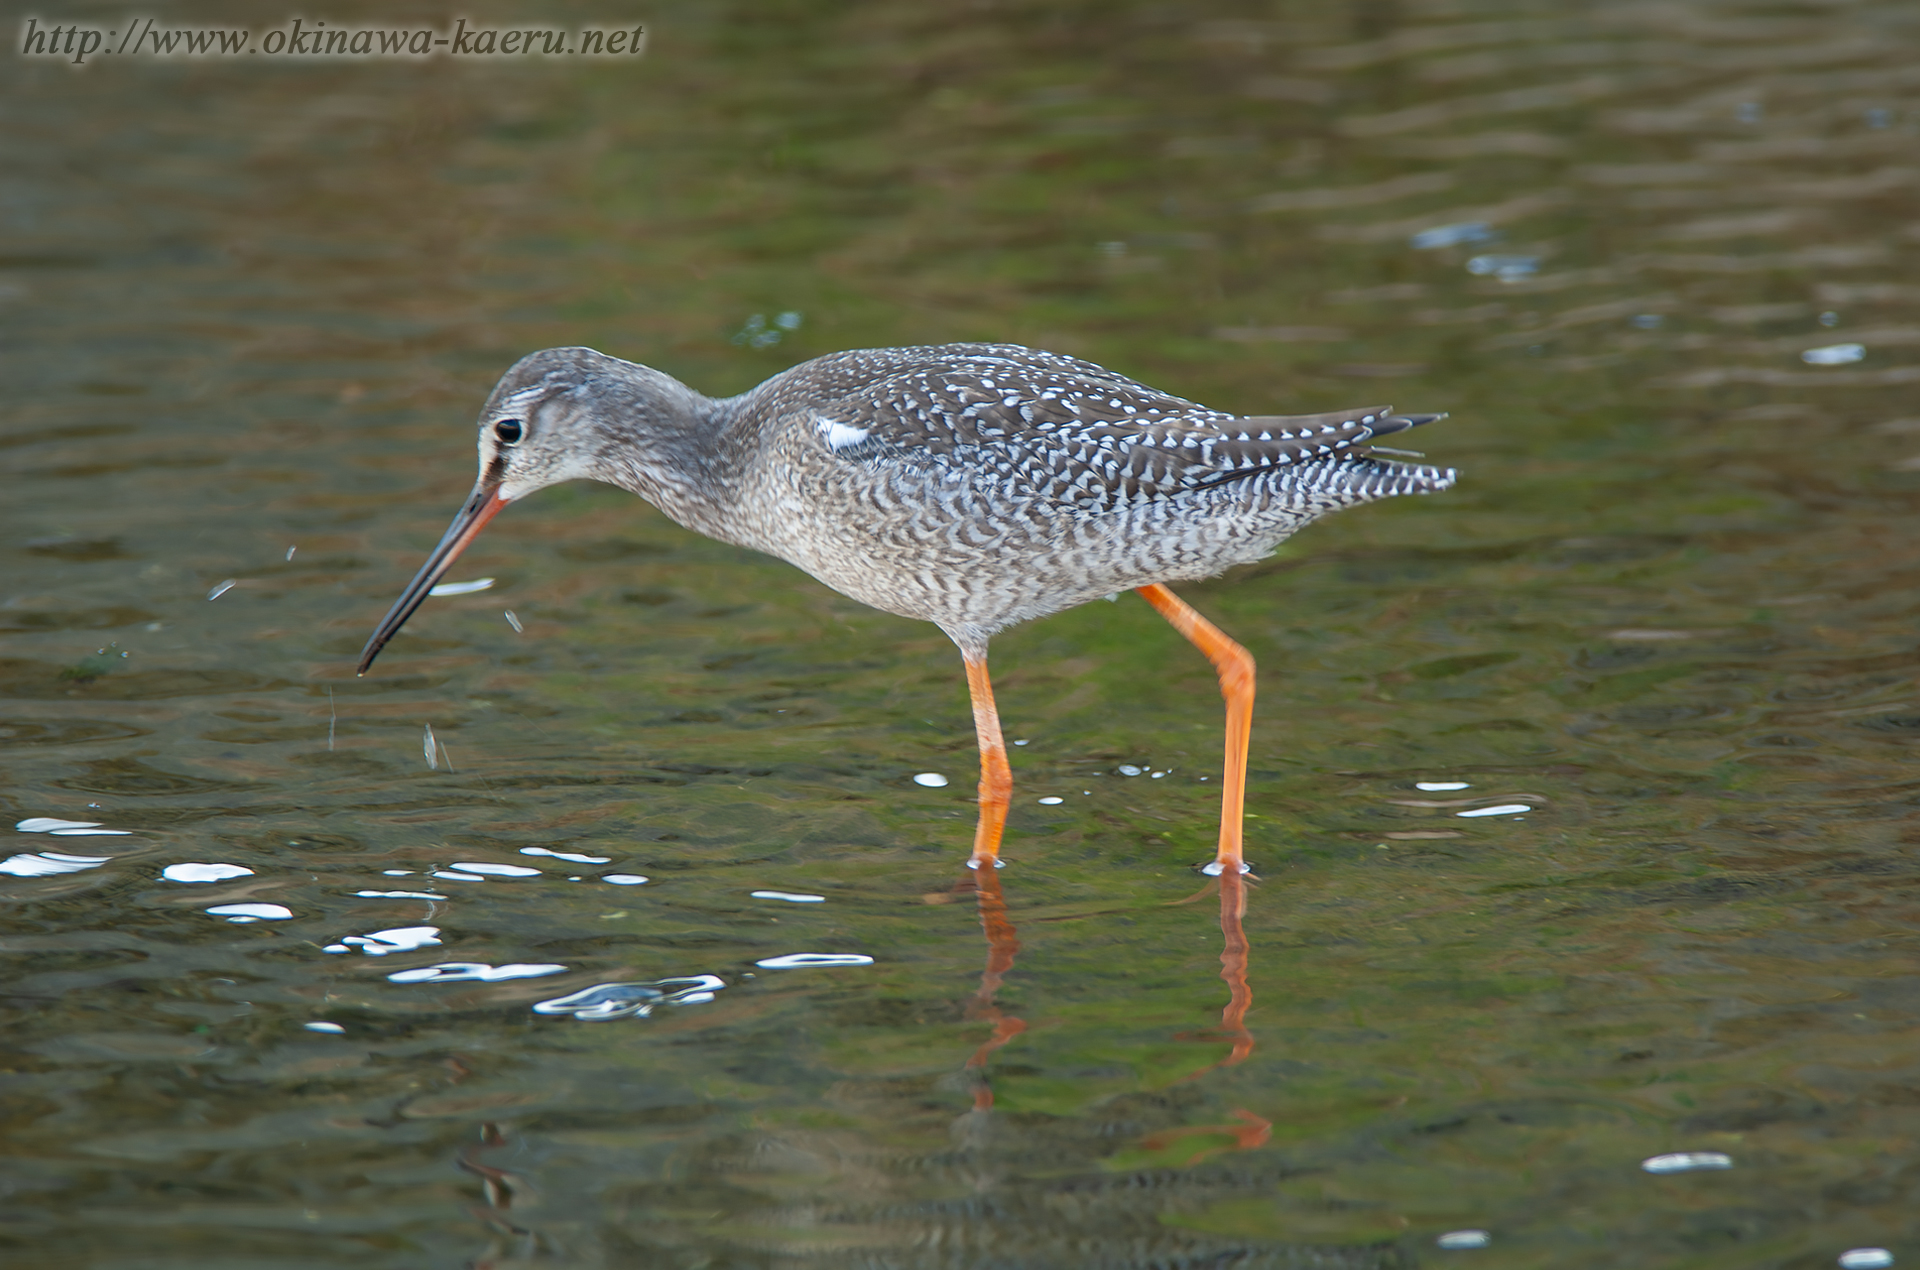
(673, 447)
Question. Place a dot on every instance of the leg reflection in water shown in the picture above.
(1252, 1131)
(1003, 945)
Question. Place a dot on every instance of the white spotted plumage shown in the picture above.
(908, 477)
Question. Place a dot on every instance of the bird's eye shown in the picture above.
(508, 431)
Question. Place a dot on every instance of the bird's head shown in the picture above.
(552, 417)
(561, 414)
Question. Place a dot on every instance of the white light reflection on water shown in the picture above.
(1686, 1162)
(402, 895)
(67, 828)
(606, 1001)
(789, 896)
(800, 961)
(1865, 1259)
(239, 913)
(1504, 268)
(204, 872)
(458, 971)
(1434, 787)
(1834, 354)
(625, 879)
(324, 1027)
(932, 780)
(1464, 1239)
(44, 864)
(501, 870)
(567, 855)
(1472, 231)
(1504, 809)
(399, 939)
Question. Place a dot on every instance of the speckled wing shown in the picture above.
(1059, 429)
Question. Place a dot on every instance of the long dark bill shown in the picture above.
(482, 507)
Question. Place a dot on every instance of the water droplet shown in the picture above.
(461, 588)
(430, 749)
(1686, 1162)
(1464, 1239)
(798, 961)
(514, 622)
(203, 872)
(1051, 802)
(223, 588)
(932, 780)
(335, 1028)
(1128, 769)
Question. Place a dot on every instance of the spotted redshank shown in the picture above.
(968, 485)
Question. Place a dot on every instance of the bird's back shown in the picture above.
(977, 485)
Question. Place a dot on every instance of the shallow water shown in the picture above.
(250, 309)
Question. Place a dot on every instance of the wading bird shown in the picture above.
(968, 485)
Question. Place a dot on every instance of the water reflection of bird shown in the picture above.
(969, 485)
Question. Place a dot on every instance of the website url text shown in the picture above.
(75, 42)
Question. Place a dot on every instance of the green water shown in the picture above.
(250, 306)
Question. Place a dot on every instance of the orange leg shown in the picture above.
(996, 777)
(1235, 668)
